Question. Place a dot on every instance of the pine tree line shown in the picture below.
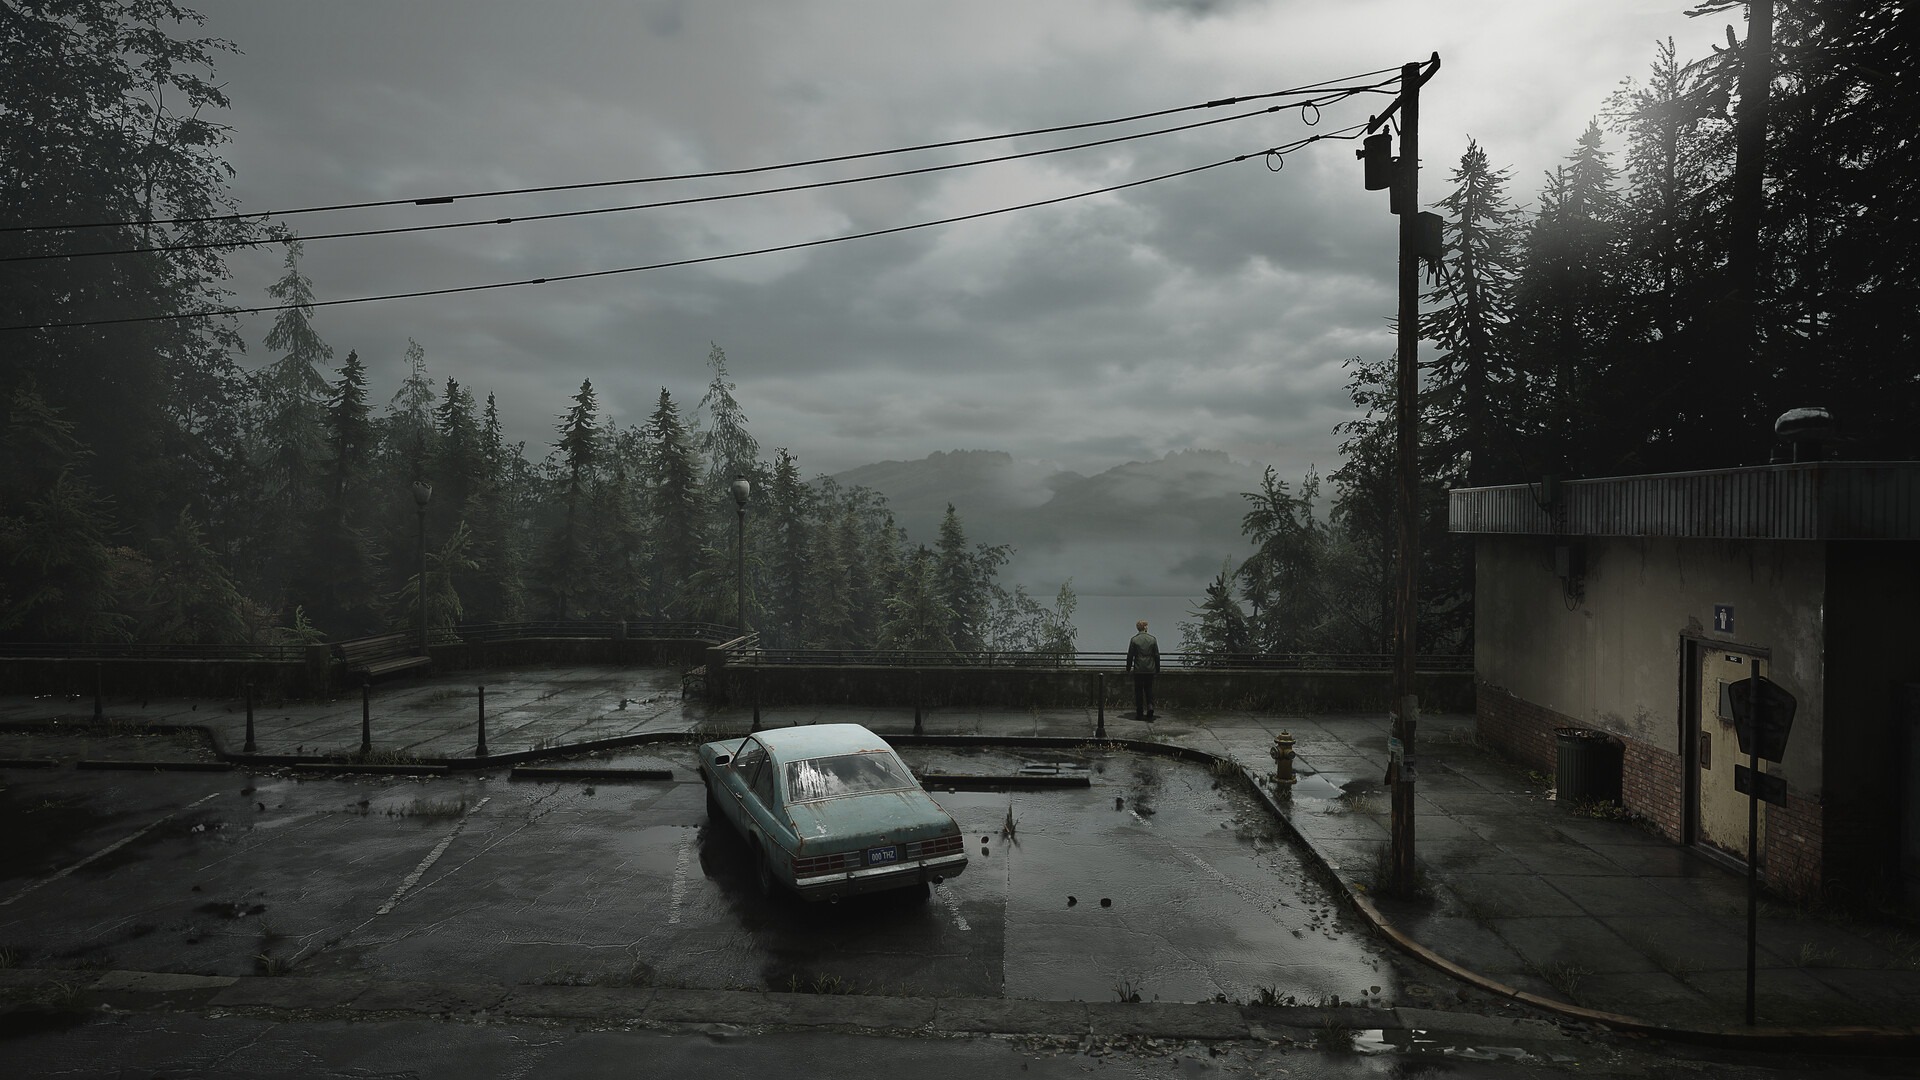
(320, 534)
(152, 489)
(1601, 333)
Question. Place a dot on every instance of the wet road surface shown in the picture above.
(1158, 880)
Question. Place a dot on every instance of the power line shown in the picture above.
(1286, 148)
(1315, 103)
(1322, 86)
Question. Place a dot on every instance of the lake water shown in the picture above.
(1106, 623)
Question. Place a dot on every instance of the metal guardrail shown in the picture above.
(633, 628)
(745, 649)
(295, 652)
(1111, 661)
(138, 650)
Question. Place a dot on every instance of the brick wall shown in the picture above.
(1653, 786)
(1792, 863)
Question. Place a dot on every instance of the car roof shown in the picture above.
(819, 740)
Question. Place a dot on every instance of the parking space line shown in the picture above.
(433, 856)
(679, 890)
(105, 851)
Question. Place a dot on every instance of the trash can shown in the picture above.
(1588, 766)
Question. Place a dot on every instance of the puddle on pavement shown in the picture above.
(1372, 1041)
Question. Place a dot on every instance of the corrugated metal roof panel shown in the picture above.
(1827, 500)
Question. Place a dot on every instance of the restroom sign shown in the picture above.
(1723, 618)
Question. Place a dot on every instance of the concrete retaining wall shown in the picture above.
(1017, 687)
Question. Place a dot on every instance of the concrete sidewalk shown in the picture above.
(1600, 920)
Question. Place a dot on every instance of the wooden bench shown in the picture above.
(382, 654)
(692, 680)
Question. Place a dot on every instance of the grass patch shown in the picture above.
(9, 957)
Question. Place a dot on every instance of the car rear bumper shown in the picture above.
(879, 878)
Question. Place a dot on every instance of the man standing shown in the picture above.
(1143, 659)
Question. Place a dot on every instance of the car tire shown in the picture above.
(763, 873)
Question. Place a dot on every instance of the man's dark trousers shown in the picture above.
(1142, 695)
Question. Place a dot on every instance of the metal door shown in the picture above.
(1721, 809)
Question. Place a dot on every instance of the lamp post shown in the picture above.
(741, 490)
(422, 494)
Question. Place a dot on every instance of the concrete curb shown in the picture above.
(351, 998)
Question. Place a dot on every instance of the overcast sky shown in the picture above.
(1212, 311)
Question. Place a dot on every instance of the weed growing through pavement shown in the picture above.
(1269, 997)
(384, 757)
(9, 958)
(1564, 977)
(439, 697)
(1380, 879)
(821, 984)
(1814, 956)
(269, 964)
(446, 806)
(1334, 1036)
(1127, 989)
(1483, 912)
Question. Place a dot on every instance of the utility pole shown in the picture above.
(1405, 197)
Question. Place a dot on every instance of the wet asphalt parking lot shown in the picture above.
(1158, 880)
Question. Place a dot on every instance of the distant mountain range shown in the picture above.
(1145, 528)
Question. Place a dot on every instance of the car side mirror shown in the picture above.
(722, 760)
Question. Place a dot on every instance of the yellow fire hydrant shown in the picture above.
(1282, 752)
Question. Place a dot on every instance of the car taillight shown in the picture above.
(814, 865)
(936, 847)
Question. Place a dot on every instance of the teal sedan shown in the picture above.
(830, 810)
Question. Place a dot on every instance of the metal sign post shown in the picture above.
(1762, 718)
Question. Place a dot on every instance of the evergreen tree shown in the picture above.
(916, 620)
(1288, 542)
(1474, 387)
(185, 596)
(108, 112)
(568, 563)
(1670, 372)
(728, 449)
(673, 505)
(829, 611)
(965, 580)
(335, 586)
(497, 522)
(64, 576)
(787, 516)
(1219, 629)
(1564, 301)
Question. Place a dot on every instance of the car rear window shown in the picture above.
(845, 774)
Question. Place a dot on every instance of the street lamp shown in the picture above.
(741, 490)
(422, 494)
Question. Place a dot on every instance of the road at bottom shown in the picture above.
(260, 1048)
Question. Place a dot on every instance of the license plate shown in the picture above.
(878, 855)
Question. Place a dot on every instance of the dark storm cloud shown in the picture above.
(1213, 311)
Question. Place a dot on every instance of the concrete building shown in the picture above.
(1629, 605)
